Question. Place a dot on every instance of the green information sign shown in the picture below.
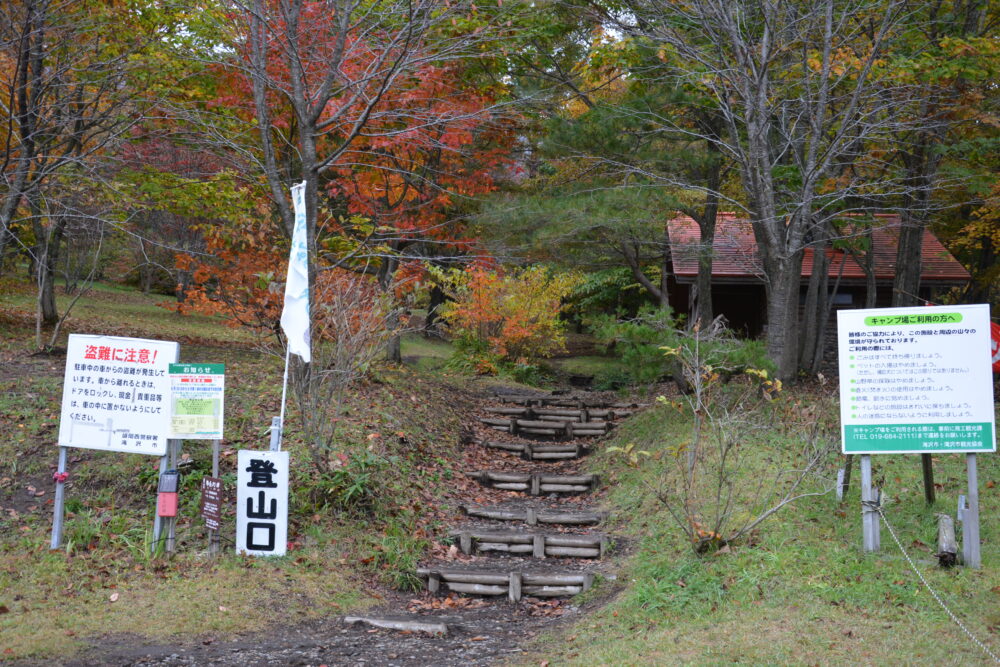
(197, 401)
(916, 380)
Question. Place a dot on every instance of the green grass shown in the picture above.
(425, 354)
(117, 310)
(588, 365)
(801, 591)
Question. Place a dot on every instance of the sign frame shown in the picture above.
(900, 372)
(198, 387)
(262, 502)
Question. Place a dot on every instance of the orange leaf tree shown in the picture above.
(508, 316)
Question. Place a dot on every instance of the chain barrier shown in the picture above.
(878, 508)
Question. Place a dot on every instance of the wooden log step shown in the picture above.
(572, 552)
(567, 479)
(541, 545)
(553, 456)
(546, 424)
(553, 448)
(502, 546)
(562, 488)
(494, 476)
(465, 576)
(535, 484)
(551, 591)
(587, 432)
(507, 411)
(513, 584)
(561, 540)
(569, 518)
(533, 517)
(476, 589)
(508, 446)
(585, 579)
(542, 431)
(404, 625)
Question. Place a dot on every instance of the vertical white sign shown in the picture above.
(116, 394)
(262, 503)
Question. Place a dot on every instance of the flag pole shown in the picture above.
(278, 423)
(295, 313)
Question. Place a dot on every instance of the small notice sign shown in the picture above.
(211, 502)
(916, 380)
(262, 503)
(116, 394)
(197, 401)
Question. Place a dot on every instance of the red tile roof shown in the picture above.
(735, 253)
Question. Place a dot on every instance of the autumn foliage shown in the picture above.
(508, 316)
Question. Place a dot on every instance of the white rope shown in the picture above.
(920, 575)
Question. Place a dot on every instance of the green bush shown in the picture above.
(640, 343)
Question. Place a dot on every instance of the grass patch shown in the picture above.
(800, 590)
(56, 600)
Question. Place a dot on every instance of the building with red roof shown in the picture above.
(738, 275)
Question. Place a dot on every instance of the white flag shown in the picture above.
(295, 316)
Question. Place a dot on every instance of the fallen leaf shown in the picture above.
(478, 638)
(990, 485)
(114, 597)
(4, 609)
(221, 608)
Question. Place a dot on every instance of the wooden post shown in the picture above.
(213, 535)
(514, 587)
(869, 515)
(538, 546)
(947, 553)
(157, 519)
(173, 454)
(844, 479)
(928, 466)
(434, 583)
(58, 504)
(970, 517)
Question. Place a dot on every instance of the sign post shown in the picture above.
(916, 381)
(197, 413)
(115, 398)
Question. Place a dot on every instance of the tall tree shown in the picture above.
(72, 82)
(949, 55)
(794, 83)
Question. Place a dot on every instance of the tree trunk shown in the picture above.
(48, 249)
(631, 255)
(906, 284)
(783, 315)
(437, 299)
(815, 305)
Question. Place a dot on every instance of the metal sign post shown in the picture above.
(970, 517)
(870, 524)
(58, 503)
